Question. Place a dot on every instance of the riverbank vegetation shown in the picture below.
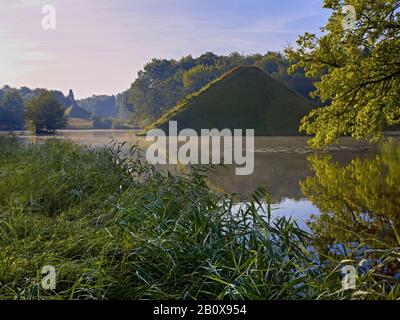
(116, 228)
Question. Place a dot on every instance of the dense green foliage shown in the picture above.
(39, 110)
(244, 98)
(116, 228)
(11, 110)
(359, 70)
(163, 83)
(102, 107)
(44, 114)
(13, 107)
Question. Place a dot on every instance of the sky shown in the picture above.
(98, 46)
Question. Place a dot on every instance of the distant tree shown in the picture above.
(160, 69)
(45, 114)
(276, 65)
(11, 110)
(272, 62)
(71, 97)
(3, 115)
(359, 71)
(208, 59)
(24, 92)
(187, 63)
(3, 91)
(101, 105)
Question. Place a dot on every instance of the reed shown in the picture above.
(114, 227)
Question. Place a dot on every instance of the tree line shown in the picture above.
(158, 87)
(163, 83)
(42, 113)
(352, 73)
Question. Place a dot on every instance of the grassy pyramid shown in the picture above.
(75, 111)
(244, 98)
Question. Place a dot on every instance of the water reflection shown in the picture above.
(359, 203)
(280, 163)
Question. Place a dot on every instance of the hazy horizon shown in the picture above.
(99, 46)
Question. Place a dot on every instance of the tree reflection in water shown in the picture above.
(359, 204)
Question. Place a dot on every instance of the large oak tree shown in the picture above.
(359, 69)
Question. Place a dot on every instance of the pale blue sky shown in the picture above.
(99, 45)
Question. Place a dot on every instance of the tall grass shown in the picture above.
(116, 228)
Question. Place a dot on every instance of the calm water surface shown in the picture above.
(347, 196)
(299, 180)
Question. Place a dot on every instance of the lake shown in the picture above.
(302, 183)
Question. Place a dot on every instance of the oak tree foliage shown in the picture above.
(358, 68)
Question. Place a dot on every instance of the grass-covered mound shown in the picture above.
(78, 118)
(75, 111)
(116, 228)
(244, 98)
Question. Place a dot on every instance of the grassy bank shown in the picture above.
(115, 228)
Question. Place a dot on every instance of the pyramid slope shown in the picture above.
(75, 111)
(244, 98)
